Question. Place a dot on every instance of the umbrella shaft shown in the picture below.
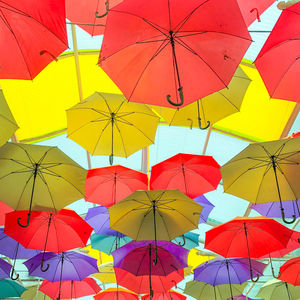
(227, 266)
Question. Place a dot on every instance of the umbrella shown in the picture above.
(4, 209)
(109, 185)
(10, 288)
(265, 172)
(290, 271)
(227, 271)
(188, 240)
(89, 15)
(155, 215)
(170, 295)
(70, 288)
(207, 208)
(210, 109)
(33, 36)
(109, 243)
(4, 269)
(8, 123)
(205, 291)
(196, 257)
(186, 52)
(38, 178)
(281, 79)
(278, 290)
(250, 237)
(33, 293)
(106, 124)
(106, 273)
(191, 174)
(241, 297)
(116, 294)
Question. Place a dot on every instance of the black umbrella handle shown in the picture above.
(42, 266)
(199, 118)
(273, 273)
(27, 222)
(183, 241)
(181, 97)
(106, 12)
(13, 270)
(284, 219)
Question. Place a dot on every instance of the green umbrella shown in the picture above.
(10, 288)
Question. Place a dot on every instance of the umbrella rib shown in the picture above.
(108, 108)
(44, 155)
(144, 255)
(227, 99)
(8, 120)
(23, 190)
(261, 181)
(123, 144)
(31, 160)
(165, 225)
(100, 135)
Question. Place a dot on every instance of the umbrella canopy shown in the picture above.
(290, 271)
(106, 124)
(278, 290)
(163, 59)
(204, 291)
(191, 174)
(70, 288)
(106, 273)
(241, 297)
(281, 79)
(116, 294)
(33, 293)
(207, 208)
(107, 186)
(269, 170)
(4, 269)
(209, 109)
(33, 35)
(39, 178)
(170, 295)
(92, 13)
(188, 240)
(4, 209)
(10, 288)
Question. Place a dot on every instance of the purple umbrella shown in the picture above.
(227, 271)
(207, 208)
(272, 209)
(241, 297)
(4, 269)
(12, 249)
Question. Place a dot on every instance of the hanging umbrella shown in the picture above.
(33, 35)
(116, 294)
(278, 290)
(188, 240)
(90, 15)
(155, 215)
(207, 208)
(170, 295)
(4, 209)
(241, 297)
(191, 174)
(33, 293)
(39, 178)
(210, 109)
(204, 291)
(265, 172)
(106, 124)
(186, 52)
(106, 273)
(290, 271)
(196, 257)
(5, 268)
(282, 46)
(250, 237)
(227, 271)
(10, 288)
(109, 185)
(72, 289)
(8, 123)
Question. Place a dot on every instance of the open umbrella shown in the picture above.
(290, 271)
(106, 124)
(188, 240)
(109, 185)
(38, 178)
(106, 273)
(116, 294)
(184, 53)
(4, 209)
(33, 293)
(10, 288)
(207, 208)
(170, 295)
(5, 268)
(241, 297)
(265, 172)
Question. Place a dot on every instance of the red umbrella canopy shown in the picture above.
(193, 175)
(56, 232)
(34, 34)
(116, 294)
(278, 61)
(170, 295)
(90, 12)
(72, 289)
(186, 51)
(290, 271)
(4, 209)
(107, 186)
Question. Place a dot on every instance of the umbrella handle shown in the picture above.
(284, 219)
(12, 274)
(180, 96)
(107, 9)
(28, 220)
(42, 267)
(279, 274)
(183, 239)
(199, 124)
(257, 13)
(111, 159)
(251, 274)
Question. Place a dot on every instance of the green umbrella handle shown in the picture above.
(199, 124)
(107, 9)
(284, 219)
(180, 96)
(111, 159)
(13, 270)
(27, 223)
(273, 273)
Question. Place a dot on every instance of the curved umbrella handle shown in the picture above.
(180, 96)
(257, 13)
(28, 220)
(199, 124)
(285, 220)
(107, 9)
(251, 274)
(279, 274)
(183, 241)
(12, 274)
(42, 267)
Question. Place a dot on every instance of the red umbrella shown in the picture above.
(250, 237)
(34, 34)
(107, 186)
(278, 61)
(70, 288)
(290, 271)
(90, 15)
(170, 295)
(186, 51)
(48, 231)
(116, 294)
(4, 209)
(193, 175)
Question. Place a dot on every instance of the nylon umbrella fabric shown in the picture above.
(33, 293)
(290, 271)
(4, 209)
(10, 288)
(166, 65)
(193, 175)
(108, 185)
(170, 295)
(4, 269)
(241, 297)
(116, 294)
(106, 273)
(207, 208)
(34, 34)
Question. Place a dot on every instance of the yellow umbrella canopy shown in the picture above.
(39, 178)
(195, 258)
(107, 124)
(210, 109)
(106, 273)
(100, 256)
(265, 172)
(8, 124)
(33, 293)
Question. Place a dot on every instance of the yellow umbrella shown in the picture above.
(210, 109)
(265, 172)
(107, 124)
(8, 124)
(33, 293)
(195, 258)
(106, 273)
(100, 256)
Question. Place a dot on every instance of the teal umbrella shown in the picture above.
(10, 288)
(188, 240)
